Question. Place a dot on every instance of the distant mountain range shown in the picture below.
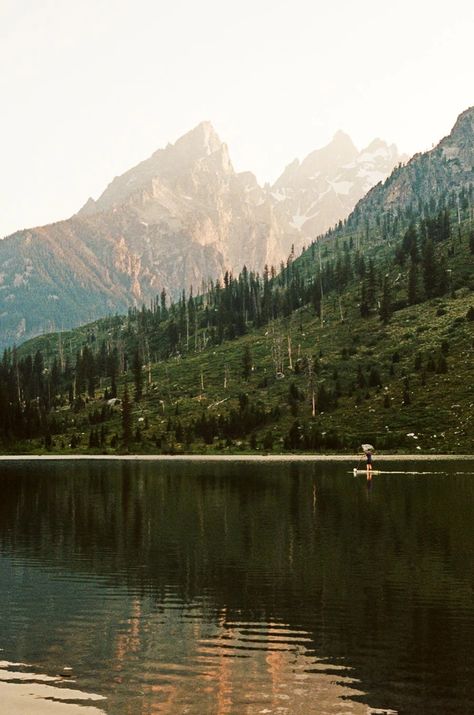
(367, 335)
(447, 167)
(184, 216)
(325, 187)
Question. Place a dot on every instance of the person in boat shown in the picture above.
(368, 455)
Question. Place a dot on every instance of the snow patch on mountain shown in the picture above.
(298, 220)
(341, 187)
(324, 188)
(371, 178)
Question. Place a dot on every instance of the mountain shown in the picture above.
(188, 198)
(326, 186)
(366, 336)
(419, 185)
(178, 219)
(272, 366)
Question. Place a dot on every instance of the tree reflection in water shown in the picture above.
(179, 587)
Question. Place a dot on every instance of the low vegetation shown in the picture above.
(367, 336)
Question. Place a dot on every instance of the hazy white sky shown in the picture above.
(88, 88)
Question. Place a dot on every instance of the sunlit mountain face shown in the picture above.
(180, 218)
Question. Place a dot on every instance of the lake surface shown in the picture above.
(135, 588)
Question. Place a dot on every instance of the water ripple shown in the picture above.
(22, 690)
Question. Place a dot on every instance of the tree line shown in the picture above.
(33, 386)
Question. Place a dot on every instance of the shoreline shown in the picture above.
(233, 457)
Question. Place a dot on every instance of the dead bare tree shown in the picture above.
(277, 354)
(311, 385)
(290, 361)
(61, 352)
(146, 353)
(340, 309)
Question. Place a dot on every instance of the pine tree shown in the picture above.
(361, 381)
(247, 363)
(93, 441)
(89, 367)
(442, 366)
(80, 374)
(386, 310)
(371, 284)
(126, 418)
(406, 399)
(164, 310)
(364, 305)
(442, 278)
(374, 378)
(113, 386)
(268, 441)
(112, 370)
(429, 268)
(137, 375)
(55, 378)
(38, 369)
(412, 283)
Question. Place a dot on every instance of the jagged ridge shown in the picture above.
(179, 218)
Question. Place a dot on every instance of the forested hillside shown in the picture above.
(367, 335)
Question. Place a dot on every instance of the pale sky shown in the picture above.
(88, 88)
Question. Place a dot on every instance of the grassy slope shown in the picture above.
(440, 413)
(447, 427)
(441, 409)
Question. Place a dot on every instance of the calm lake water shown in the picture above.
(210, 588)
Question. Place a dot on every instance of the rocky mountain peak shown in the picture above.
(179, 218)
(377, 144)
(325, 187)
(342, 141)
(459, 144)
(464, 125)
(339, 151)
(428, 177)
(194, 146)
(203, 140)
(166, 166)
(379, 154)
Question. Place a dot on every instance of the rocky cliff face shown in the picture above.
(325, 187)
(427, 177)
(191, 190)
(176, 220)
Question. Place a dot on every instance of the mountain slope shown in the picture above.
(178, 219)
(367, 336)
(325, 187)
(419, 185)
(300, 376)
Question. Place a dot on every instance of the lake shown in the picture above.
(141, 587)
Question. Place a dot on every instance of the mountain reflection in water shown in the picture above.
(248, 588)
